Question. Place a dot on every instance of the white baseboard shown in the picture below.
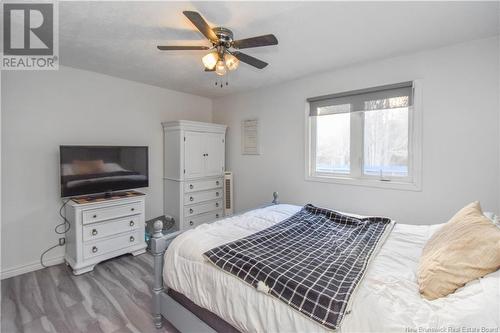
(26, 268)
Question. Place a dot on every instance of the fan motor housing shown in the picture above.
(225, 35)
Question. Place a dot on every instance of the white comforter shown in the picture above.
(387, 299)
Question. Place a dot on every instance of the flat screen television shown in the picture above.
(102, 169)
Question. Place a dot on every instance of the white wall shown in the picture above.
(460, 136)
(44, 109)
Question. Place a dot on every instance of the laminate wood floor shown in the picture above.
(114, 298)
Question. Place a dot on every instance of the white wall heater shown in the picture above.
(228, 193)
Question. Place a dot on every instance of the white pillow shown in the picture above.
(493, 218)
(67, 169)
(112, 167)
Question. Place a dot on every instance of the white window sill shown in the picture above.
(391, 184)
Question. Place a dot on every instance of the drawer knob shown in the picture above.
(94, 216)
(191, 186)
(216, 204)
(94, 249)
(216, 216)
(131, 223)
(132, 239)
(191, 223)
(132, 209)
(191, 210)
(94, 232)
(216, 194)
(191, 198)
(217, 183)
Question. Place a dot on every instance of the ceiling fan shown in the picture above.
(221, 57)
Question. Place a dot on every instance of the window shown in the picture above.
(366, 137)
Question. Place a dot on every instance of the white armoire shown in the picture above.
(193, 172)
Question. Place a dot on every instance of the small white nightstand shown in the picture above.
(104, 229)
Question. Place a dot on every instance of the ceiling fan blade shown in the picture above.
(250, 60)
(180, 47)
(264, 40)
(201, 25)
(209, 70)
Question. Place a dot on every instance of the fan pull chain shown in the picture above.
(220, 82)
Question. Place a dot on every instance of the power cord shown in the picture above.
(65, 221)
(44, 252)
(64, 224)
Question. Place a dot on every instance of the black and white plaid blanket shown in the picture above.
(313, 261)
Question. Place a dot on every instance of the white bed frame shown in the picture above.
(164, 305)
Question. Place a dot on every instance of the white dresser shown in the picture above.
(103, 230)
(193, 172)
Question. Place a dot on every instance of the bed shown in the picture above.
(387, 300)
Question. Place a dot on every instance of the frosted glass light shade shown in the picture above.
(220, 68)
(210, 60)
(231, 62)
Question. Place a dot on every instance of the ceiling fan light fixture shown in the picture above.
(220, 68)
(231, 61)
(210, 60)
(222, 57)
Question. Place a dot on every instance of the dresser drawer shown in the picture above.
(193, 221)
(113, 227)
(112, 212)
(196, 197)
(202, 208)
(202, 185)
(97, 248)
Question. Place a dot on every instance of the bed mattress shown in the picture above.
(386, 300)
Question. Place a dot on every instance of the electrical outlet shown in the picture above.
(62, 241)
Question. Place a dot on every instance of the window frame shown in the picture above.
(357, 177)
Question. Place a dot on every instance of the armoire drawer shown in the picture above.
(112, 227)
(202, 185)
(112, 212)
(196, 197)
(202, 208)
(194, 221)
(97, 248)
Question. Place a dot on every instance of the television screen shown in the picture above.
(99, 169)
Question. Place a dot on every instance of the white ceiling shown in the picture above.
(120, 38)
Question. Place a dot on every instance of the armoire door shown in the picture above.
(194, 155)
(214, 154)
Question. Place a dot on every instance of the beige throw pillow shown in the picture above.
(467, 247)
(88, 167)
